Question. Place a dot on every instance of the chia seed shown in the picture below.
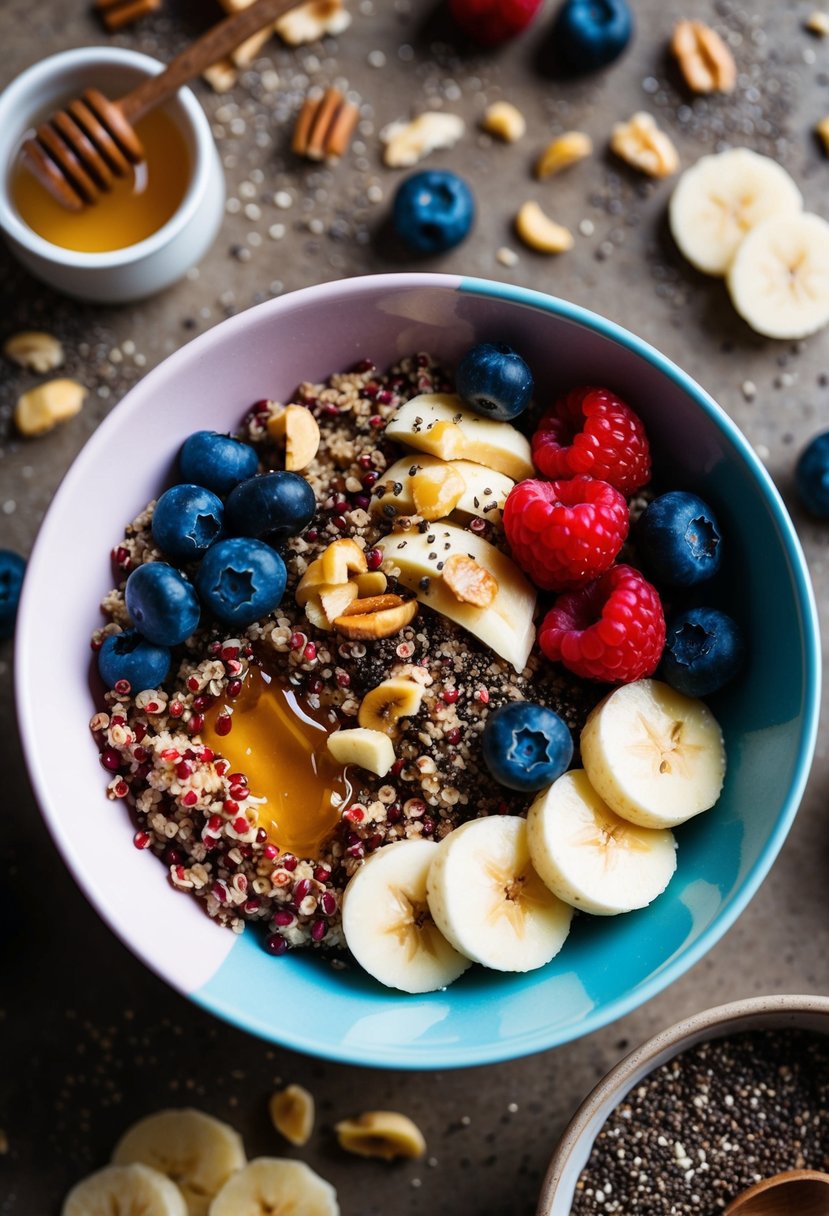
(710, 1123)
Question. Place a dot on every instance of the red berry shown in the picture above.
(489, 22)
(565, 533)
(591, 430)
(612, 630)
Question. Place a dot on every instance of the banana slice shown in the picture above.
(387, 923)
(440, 424)
(488, 900)
(383, 707)
(723, 197)
(655, 756)
(125, 1190)
(591, 858)
(274, 1186)
(505, 625)
(195, 1150)
(405, 483)
(779, 279)
(370, 749)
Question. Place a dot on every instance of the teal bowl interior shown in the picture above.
(769, 716)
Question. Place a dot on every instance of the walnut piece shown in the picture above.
(640, 142)
(469, 582)
(35, 350)
(539, 232)
(408, 142)
(42, 408)
(311, 21)
(505, 121)
(564, 151)
(704, 59)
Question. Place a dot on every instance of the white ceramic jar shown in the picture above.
(152, 264)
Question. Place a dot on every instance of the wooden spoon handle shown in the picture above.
(208, 49)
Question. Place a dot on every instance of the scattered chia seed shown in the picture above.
(710, 1123)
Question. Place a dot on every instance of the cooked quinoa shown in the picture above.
(197, 815)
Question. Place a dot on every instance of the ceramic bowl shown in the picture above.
(152, 264)
(609, 965)
(756, 1013)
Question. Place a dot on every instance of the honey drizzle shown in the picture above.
(280, 746)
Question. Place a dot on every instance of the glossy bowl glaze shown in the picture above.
(608, 966)
(756, 1013)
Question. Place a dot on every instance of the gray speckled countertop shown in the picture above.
(89, 1039)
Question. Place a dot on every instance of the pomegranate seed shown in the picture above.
(141, 772)
(220, 891)
(477, 524)
(192, 684)
(214, 647)
(121, 789)
(483, 696)
(450, 695)
(428, 825)
(190, 798)
(270, 850)
(261, 836)
(297, 641)
(170, 753)
(374, 559)
(233, 667)
(310, 652)
(202, 702)
(231, 807)
(339, 522)
(454, 736)
(318, 930)
(328, 903)
(283, 919)
(394, 813)
(206, 755)
(196, 724)
(95, 645)
(289, 862)
(302, 888)
(362, 501)
(122, 687)
(180, 873)
(238, 779)
(140, 754)
(223, 724)
(384, 397)
(111, 759)
(151, 707)
(354, 815)
(373, 842)
(140, 731)
(234, 687)
(184, 769)
(252, 905)
(343, 679)
(312, 534)
(240, 825)
(322, 873)
(370, 390)
(229, 652)
(214, 824)
(364, 365)
(397, 768)
(238, 792)
(117, 720)
(355, 850)
(141, 840)
(375, 421)
(314, 685)
(339, 507)
(364, 461)
(171, 856)
(175, 709)
(222, 766)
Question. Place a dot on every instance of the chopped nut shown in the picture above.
(45, 406)
(408, 142)
(221, 76)
(118, 13)
(641, 143)
(341, 559)
(822, 130)
(469, 581)
(292, 1114)
(315, 614)
(245, 53)
(359, 621)
(506, 256)
(372, 603)
(34, 350)
(381, 1133)
(298, 427)
(541, 233)
(324, 125)
(564, 151)
(312, 21)
(334, 601)
(818, 23)
(704, 59)
(437, 490)
(505, 121)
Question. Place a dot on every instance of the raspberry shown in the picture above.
(565, 533)
(489, 22)
(591, 430)
(612, 630)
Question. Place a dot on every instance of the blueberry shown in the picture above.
(217, 462)
(494, 380)
(812, 476)
(526, 746)
(162, 604)
(241, 580)
(129, 656)
(272, 507)
(186, 521)
(12, 567)
(704, 649)
(590, 34)
(679, 539)
(433, 211)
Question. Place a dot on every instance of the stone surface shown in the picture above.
(90, 1039)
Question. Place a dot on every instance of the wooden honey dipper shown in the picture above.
(81, 150)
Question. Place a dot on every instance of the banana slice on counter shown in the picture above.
(434, 488)
(590, 857)
(488, 900)
(125, 1190)
(723, 197)
(506, 624)
(779, 279)
(441, 425)
(656, 757)
(273, 1186)
(387, 923)
(195, 1150)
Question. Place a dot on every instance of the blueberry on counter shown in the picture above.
(526, 747)
(12, 568)
(241, 580)
(704, 650)
(186, 521)
(494, 380)
(812, 476)
(217, 462)
(272, 507)
(590, 34)
(129, 656)
(162, 604)
(679, 539)
(433, 211)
